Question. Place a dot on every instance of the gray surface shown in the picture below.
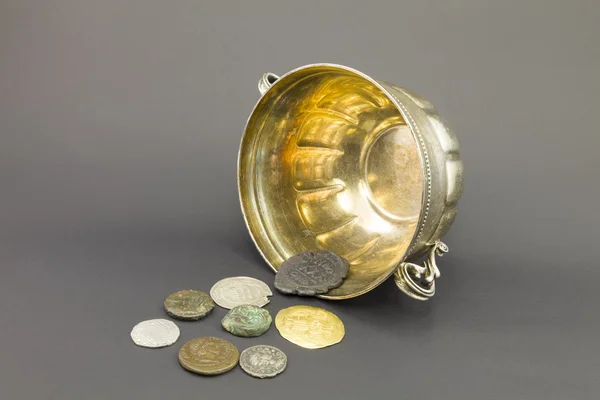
(119, 127)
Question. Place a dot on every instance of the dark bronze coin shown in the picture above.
(311, 272)
(189, 305)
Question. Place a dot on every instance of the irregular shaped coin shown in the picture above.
(235, 291)
(208, 356)
(155, 333)
(263, 361)
(311, 272)
(309, 327)
(247, 321)
(189, 305)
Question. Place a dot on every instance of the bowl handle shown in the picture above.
(266, 81)
(419, 281)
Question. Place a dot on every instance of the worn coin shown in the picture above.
(189, 305)
(263, 361)
(235, 291)
(309, 327)
(311, 272)
(155, 333)
(247, 321)
(208, 356)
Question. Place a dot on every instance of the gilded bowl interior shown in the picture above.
(328, 162)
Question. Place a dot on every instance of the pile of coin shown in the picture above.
(306, 274)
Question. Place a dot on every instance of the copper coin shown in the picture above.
(189, 305)
(208, 356)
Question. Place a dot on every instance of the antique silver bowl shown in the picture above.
(333, 159)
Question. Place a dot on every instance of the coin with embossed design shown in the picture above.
(309, 327)
(189, 305)
(247, 321)
(263, 361)
(155, 333)
(208, 356)
(235, 291)
(311, 272)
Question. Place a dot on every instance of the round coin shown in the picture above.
(155, 333)
(311, 272)
(189, 305)
(263, 361)
(247, 321)
(309, 327)
(208, 356)
(235, 291)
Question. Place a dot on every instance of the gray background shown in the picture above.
(119, 129)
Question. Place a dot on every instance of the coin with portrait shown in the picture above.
(247, 321)
(263, 361)
(208, 356)
(309, 327)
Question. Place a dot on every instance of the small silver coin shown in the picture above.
(155, 333)
(263, 361)
(240, 290)
(311, 272)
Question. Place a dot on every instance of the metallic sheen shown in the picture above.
(155, 333)
(311, 272)
(263, 361)
(189, 305)
(235, 291)
(419, 281)
(309, 327)
(333, 159)
(247, 321)
(208, 356)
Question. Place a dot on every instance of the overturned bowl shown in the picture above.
(332, 159)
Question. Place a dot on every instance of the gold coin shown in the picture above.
(208, 356)
(189, 305)
(309, 327)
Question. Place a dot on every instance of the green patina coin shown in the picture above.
(247, 321)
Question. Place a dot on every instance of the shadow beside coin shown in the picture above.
(389, 309)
